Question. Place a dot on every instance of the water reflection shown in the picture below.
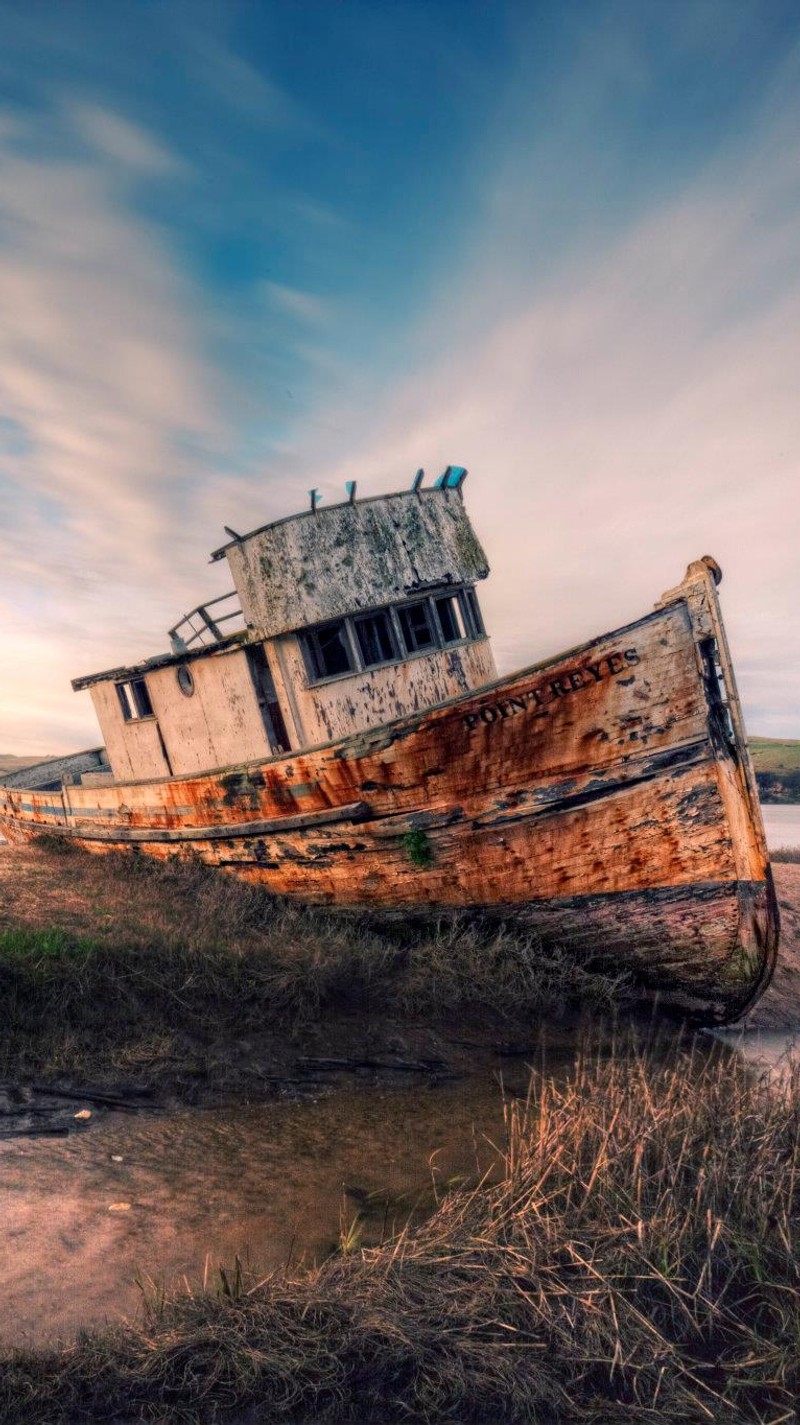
(151, 1193)
(774, 1050)
(781, 825)
(154, 1194)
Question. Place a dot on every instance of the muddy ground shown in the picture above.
(77, 894)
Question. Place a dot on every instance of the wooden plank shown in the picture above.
(354, 812)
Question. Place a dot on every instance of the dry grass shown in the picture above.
(134, 964)
(639, 1261)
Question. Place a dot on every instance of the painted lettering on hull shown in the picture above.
(571, 681)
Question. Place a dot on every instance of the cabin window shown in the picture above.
(451, 619)
(415, 621)
(471, 608)
(134, 699)
(185, 680)
(362, 641)
(375, 641)
(328, 650)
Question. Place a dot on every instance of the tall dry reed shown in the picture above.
(639, 1261)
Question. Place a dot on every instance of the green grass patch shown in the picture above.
(417, 847)
(25, 943)
(773, 754)
(777, 768)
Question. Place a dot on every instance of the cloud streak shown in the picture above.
(633, 411)
(101, 378)
(305, 307)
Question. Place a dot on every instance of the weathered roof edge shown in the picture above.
(316, 513)
(162, 660)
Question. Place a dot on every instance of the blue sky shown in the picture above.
(249, 248)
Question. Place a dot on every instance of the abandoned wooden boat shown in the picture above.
(350, 744)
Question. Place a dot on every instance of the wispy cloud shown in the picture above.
(633, 411)
(304, 306)
(100, 375)
(120, 140)
(98, 357)
(239, 85)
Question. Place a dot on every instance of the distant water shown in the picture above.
(782, 825)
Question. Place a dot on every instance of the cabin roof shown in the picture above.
(162, 660)
(320, 511)
(226, 644)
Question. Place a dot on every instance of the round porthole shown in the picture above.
(185, 680)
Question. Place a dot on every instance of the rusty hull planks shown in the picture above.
(587, 798)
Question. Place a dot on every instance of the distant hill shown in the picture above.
(777, 767)
(8, 763)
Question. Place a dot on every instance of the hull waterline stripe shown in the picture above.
(352, 812)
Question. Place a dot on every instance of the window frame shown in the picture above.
(468, 613)
(451, 597)
(431, 623)
(471, 610)
(380, 613)
(312, 654)
(134, 699)
(184, 677)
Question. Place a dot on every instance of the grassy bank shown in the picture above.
(120, 966)
(777, 767)
(775, 754)
(639, 1260)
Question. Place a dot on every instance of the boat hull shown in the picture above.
(604, 800)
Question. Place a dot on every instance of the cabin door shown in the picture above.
(267, 698)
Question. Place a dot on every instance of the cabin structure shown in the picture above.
(344, 617)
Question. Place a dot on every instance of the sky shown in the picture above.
(247, 249)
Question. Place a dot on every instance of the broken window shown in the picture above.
(415, 621)
(134, 699)
(471, 608)
(451, 622)
(328, 650)
(375, 641)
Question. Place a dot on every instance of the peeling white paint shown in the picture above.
(351, 558)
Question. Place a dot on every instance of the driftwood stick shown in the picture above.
(120, 1099)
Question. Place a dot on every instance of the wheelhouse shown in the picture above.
(340, 619)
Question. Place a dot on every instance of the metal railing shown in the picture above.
(203, 628)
